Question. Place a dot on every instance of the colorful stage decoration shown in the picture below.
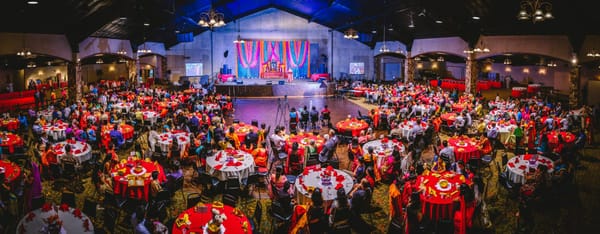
(273, 59)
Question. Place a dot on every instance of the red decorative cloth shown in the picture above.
(353, 125)
(449, 118)
(242, 129)
(464, 148)
(440, 191)
(122, 183)
(11, 170)
(200, 217)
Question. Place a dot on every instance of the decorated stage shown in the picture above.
(274, 87)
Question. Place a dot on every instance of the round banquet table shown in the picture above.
(137, 185)
(73, 220)
(11, 170)
(81, 151)
(57, 130)
(360, 91)
(303, 140)
(465, 148)
(311, 178)
(499, 105)
(382, 150)
(167, 104)
(533, 88)
(151, 116)
(190, 91)
(123, 106)
(10, 140)
(145, 100)
(567, 137)
(449, 118)
(504, 130)
(518, 92)
(228, 164)
(407, 127)
(201, 214)
(517, 166)
(125, 129)
(352, 125)
(10, 124)
(242, 129)
(211, 106)
(437, 200)
(47, 114)
(458, 107)
(166, 139)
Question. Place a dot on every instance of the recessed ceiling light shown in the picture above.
(146, 24)
(177, 31)
(439, 22)
(390, 29)
(123, 18)
(32, 2)
(374, 31)
(475, 17)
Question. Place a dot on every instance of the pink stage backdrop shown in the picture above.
(273, 59)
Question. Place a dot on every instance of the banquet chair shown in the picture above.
(256, 219)
(111, 215)
(313, 159)
(233, 185)
(230, 199)
(89, 207)
(68, 197)
(279, 216)
(110, 200)
(193, 199)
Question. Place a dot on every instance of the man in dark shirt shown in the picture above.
(251, 138)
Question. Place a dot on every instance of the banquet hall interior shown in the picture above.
(299, 116)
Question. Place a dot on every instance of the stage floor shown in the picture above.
(260, 88)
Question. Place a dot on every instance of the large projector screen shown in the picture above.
(357, 68)
(193, 69)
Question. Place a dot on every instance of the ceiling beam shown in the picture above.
(85, 27)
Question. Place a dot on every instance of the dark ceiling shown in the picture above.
(124, 19)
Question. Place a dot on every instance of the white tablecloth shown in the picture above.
(165, 140)
(81, 151)
(46, 114)
(70, 223)
(313, 179)
(212, 106)
(151, 116)
(216, 165)
(408, 126)
(379, 150)
(57, 131)
(516, 170)
(504, 130)
(120, 106)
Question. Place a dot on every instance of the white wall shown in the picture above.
(109, 72)
(557, 77)
(95, 45)
(553, 46)
(451, 45)
(271, 24)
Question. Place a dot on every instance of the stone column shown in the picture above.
(74, 80)
(574, 92)
(471, 74)
(409, 68)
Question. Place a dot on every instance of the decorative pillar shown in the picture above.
(74, 80)
(409, 68)
(471, 75)
(574, 93)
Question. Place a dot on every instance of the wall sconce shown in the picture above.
(488, 68)
(508, 69)
(40, 73)
(111, 68)
(434, 65)
(542, 71)
(526, 70)
(419, 65)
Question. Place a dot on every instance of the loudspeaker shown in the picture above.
(269, 82)
(281, 82)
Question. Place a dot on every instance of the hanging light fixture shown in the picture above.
(480, 48)
(507, 61)
(31, 65)
(552, 63)
(239, 39)
(144, 50)
(441, 59)
(384, 48)
(351, 34)
(211, 19)
(535, 10)
(593, 53)
(412, 22)
(24, 52)
(122, 52)
(99, 61)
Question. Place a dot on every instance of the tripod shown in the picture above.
(283, 110)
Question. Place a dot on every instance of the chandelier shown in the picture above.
(593, 53)
(507, 61)
(122, 52)
(24, 52)
(144, 50)
(99, 61)
(351, 34)
(535, 10)
(211, 19)
(384, 48)
(31, 65)
(441, 59)
(481, 48)
(551, 64)
(239, 39)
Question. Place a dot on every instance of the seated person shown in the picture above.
(232, 138)
(483, 143)
(285, 198)
(276, 181)
(116, 136)
(260, 155)
(294, 160)
(155, 186)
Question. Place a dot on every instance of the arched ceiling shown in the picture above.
(124, 19)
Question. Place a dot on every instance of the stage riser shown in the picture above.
(304, 89)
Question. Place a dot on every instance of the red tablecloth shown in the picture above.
(458, 107)
(303, 140)
(441, 189)
(496, 84)
(10, 141)
(449, 118)
(14, 103)
(317, 76)
(12, 171)
(166, 104)
(199, 217)
(125, 129)
(567, 137)
(360, 91)
(10, 124)
(354, 125)
(533, 88)
(464, 148)
(225, 77)
(518, 92)
(483, 85)
(242, 129)
(433, 83)
(122, 171)
(145, 100)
